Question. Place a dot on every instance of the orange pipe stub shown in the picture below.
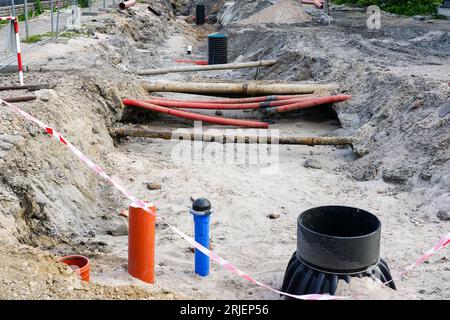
(79, 264)
(141, 243)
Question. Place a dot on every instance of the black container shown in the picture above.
(334, 243)
(200, 14)
(217, 48)
(350, 236)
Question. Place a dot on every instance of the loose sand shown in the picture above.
(282, 12)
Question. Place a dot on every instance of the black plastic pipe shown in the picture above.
(200, 14)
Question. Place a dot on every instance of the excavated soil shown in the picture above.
(52, 205)
(283, 11)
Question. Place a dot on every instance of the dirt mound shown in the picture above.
(283, 11)
(30, 273)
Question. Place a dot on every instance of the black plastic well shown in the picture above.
(350, 237)
(334, 243)
(217, 48)
(200, 14)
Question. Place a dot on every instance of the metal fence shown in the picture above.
(58, 16)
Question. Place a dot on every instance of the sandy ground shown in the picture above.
(241, 195)
(241, 229)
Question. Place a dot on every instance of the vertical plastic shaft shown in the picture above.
(202, 237)
(201, 210)
(141, 244)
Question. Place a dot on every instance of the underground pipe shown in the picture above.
(217, 48)
(201, 211)
(334, 243)
(200, 14)
(141, 244)
(307, 104)
(198, 62)
(155, 12)
(195, 116)
(127, 4)
(19, 99)
(317, 3)
(79, 264)
(230, 106)
(245, 88)
(30, 87)
(226, 66)
(240, 100)
(167, 135)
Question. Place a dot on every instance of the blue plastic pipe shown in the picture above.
(202, 237)
(201, 210)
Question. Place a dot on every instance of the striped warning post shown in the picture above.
(18, 48)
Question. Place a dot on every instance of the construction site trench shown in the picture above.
(398, 168)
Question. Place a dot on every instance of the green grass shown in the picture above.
(83, 3)
(22, 17)
(34, 38)
(39, 37)
(402, 7)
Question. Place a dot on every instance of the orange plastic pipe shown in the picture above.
(317, 3)
(308, 104)
(196, 116)
(79, 264)
(241, 100)
(225, 106)
(198, 62)
(141, 244)
(127, 4)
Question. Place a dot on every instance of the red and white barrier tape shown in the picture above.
(7, 18)
(18, 47)
(150, 208)
(438, 246)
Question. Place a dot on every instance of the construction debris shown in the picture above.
(312, 163)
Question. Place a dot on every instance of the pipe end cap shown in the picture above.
(201, 206)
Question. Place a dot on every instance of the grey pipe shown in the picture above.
(27, 32)
(52, 8)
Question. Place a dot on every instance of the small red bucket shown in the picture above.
(79, 264)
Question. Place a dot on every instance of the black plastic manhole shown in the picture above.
(333, 243)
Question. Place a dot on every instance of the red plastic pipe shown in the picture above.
(308, 104)
(199, 62)
(317, 3)
(127, 4)
(242, 100)
(225, 106)
(79, 264)
(195, 116)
